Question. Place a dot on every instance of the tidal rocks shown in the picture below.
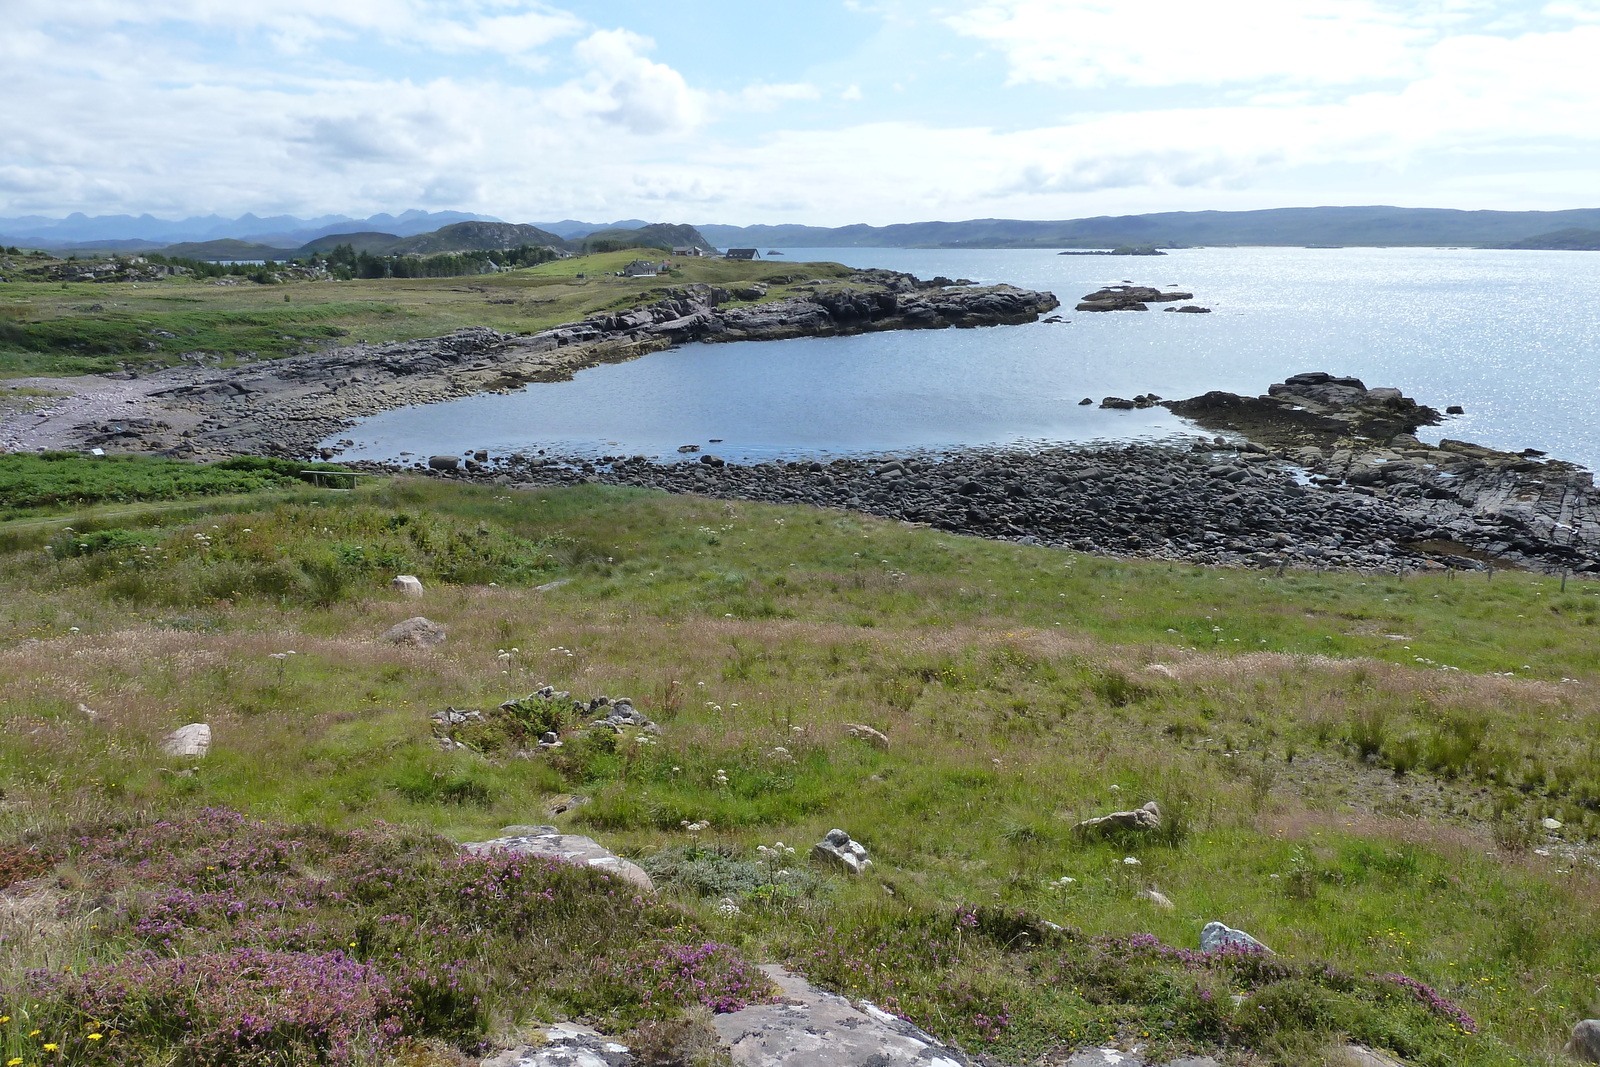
(1218, 936)
(418, 632)
(1128, 298)
(836, 849)
(1139, 820)
(1199, 501)
(444, 463)
(1311, 408)
(192, 741)
(1190, 309)
(572, 848)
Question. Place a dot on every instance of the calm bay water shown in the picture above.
(1514, 337)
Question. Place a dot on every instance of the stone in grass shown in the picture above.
(567, 1045)
(1218, 936)
(875, 738)
(407, 585)
(1139, 819)
(807, 1027)
(1585, 1044)
(416, 633)
(1359, 1056)
(193, 740)
(838, 850)
(574, 848)
(1159, 899)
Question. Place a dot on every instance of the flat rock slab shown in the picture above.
(567, 1045)
(810, 1028)
(574, 848)
(192, 740)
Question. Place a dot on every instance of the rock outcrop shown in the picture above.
(572, 848)
(1129, 298)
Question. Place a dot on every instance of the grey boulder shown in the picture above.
(810, 1028)
(193, 740)
(567, 1045)
(572, 848)
(838, 850)
(406, 585)
(1585, 1044)
(416, 633)
(1217, 936)
(1147, 817)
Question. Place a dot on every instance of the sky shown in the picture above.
(829, 112)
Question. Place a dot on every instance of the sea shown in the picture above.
(1513, 337)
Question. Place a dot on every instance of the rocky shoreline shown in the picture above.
(286, 407)
(1310, 491)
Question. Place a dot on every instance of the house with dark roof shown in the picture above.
(742, 253)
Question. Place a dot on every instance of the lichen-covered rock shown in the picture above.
(193, 740)
(567, 1045)
(416, 633)
(407, 585)
(1143, 818)
(861, 732)
(573, 848)
(838, 850)
(1217, 936)
(810, 1028)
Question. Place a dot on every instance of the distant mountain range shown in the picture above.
(472, 236)
(146, 232)
(283, 235)
(1277, 226)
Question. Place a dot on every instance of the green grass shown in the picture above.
(1327, 783)
(82, 328)
(36, 484)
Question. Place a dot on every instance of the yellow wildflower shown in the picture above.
(95, 1037)
(49, 1046)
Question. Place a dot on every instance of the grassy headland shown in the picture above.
(1356, 770)
(56, 328)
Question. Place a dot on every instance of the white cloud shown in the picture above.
(1092, 43)
(626, 88)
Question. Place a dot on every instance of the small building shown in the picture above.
(742, 253)
(642, 268)
(688, 251)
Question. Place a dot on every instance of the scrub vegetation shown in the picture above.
(1393, 782)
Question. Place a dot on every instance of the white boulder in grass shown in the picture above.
(407, 585)
(192, 740)
(838, 850)
(1217, 936)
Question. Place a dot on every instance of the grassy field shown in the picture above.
(1356, 770)
(82, 327)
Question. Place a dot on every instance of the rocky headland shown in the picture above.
(286, 407)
